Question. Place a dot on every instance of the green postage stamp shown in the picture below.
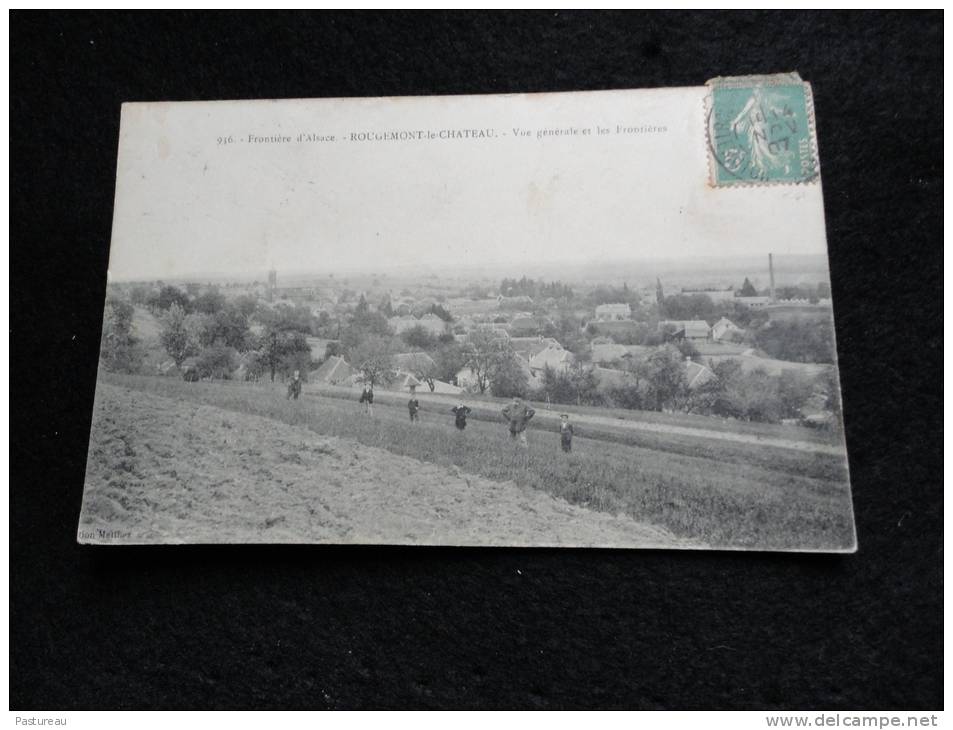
(761, 131)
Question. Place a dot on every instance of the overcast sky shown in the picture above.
(188, 205)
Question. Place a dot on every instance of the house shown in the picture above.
(724, 328)
(464, 306)
(431, 323)
(749, 360)
(697, 374)
(467, 380)
(692, 329)
(619, 327)
(403, 381)
(526, 347)
(402, 323)
(333, 371)
(523, 326)
(613, 312)
(441, 387)
(753, 302)
(517, 302)
(414, 362)
(724, 347)
(611, 378)
(603, 354)
(552, 356)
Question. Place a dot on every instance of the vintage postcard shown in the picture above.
(568, 319)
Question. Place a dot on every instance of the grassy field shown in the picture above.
(170, 471)
(684, 420)
(724, 495)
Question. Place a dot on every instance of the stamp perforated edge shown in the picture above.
(778, 79)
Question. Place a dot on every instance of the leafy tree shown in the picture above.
(689, 306)
(199, 327)
(633, 393)
(325, 326)
(139, 294)
(299, 360)
(419, 338)
(830, 387)
(255, 366)
(228, 326)
(216, 362)
(748, 290)
(688, 350)
(584, 383)
(507, 377)
(610, 295)
(794, 391)
(482, 349)
(450, 359)
(285, 335)
(246, 304)
(333, 349)
(664, 373)
(362, 325)
(438, 310)
(119, 349)
(638, 334)
(567, 328)
(209, 302)
(175, 336)
(750, 396)
(169, 295)
(374, 357)
(278, 345)
(753, 396)
(809, 339)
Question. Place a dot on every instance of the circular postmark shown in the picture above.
(759, 136)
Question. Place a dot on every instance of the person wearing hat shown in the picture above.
(460, 413)
(565, 432)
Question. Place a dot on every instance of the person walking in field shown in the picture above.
(565, 433)
(294, 386)
(518, 415)
(413, 405)
(367, 399)
(460, 413)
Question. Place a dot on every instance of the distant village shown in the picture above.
(735, 351)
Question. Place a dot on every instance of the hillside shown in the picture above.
(722, 493)
(164, 470)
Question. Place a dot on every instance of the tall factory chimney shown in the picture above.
(771, 273)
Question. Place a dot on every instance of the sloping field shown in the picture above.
(166, 471)
(724, 494)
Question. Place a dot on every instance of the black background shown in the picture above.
(316, 627)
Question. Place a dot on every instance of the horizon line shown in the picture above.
(423, 268)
